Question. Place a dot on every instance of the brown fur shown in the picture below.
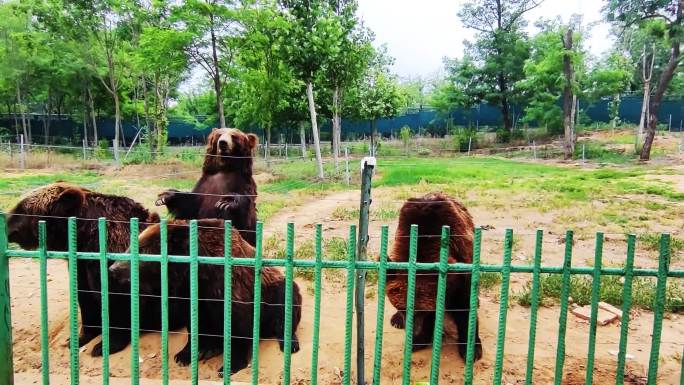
(210, 282)
(56, 202)
(431, 212)
(228, 181)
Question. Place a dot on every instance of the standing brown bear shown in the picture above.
(430, 213)
(210, 284)
(56, 202)
(226, 188)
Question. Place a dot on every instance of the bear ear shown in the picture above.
(69, 202)
(253, 140)
(211, 140)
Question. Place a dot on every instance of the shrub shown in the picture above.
(503, 135)
(463, 138)
(102, 149)
(405, 135)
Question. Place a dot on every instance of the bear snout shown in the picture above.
(120, 271)
(225, 142)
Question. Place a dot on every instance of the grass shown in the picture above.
(488, 280)
(643, 292)
(652, 242)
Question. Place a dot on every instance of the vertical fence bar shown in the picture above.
(163, 249)
(258, 263)
(194, 304)
(626, 304)
(380, 322)
(595, 292)
(44, 332)
(287, 343)
(534, 305)
(351, 248)
(439, 311)
(135, 303)
(104, 296)
(227, 298)
(361, 249)
(410, 301)
(563, 318)
(317, 304)
(73, 300)
(659, 307)
(503, 307)
(22, 154)
(472, 315)
(6, 365)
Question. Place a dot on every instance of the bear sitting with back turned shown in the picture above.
(53, 204)
(430, 213)
(210, 284)
(226, 188)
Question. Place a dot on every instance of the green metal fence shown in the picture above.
(352, 265)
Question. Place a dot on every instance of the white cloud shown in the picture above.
(420, 34)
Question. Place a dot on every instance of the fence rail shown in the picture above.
(353, 267)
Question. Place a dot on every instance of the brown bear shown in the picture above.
(430, 213)
(226, 189)
(210, 283)
(56, 202)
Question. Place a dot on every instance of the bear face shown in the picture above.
(228, 149)
(53, 203)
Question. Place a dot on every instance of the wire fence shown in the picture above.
(410, 272)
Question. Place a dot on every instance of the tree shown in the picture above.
(500, 47)
(460, 88)
(264, 78)
(610, 78)
(637, 12)
(347, 64)
(376, 95)
(212, 24)
(554, 70)
(313, 38)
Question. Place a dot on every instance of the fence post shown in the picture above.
(22, 154)
(368, 165)
(84, 150)
(583, 153)
(470, 142)
(346, 165)
(6, 366)
(669, 124)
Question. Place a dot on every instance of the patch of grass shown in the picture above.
(344, 214)
(652, 242)
(488, 280)
(643, 292)
(598, 152)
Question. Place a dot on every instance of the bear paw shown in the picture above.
(397, 320)
(463, 350)
(226, 204)
(183, 357)
(114, 347)
(86, 337)
(164, 197)
(294, 346)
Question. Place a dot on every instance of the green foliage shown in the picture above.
(643, 292)
(464, 138)
(102, 150)
(405, 135)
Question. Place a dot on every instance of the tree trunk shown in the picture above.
(217, 77)
(616, 110)
(505, 108)
(336, 129)
(302, 137)
(23, 114)
(568, 97)
(117, 122)
(92, 116)
(663, 84)
(314, 129)
(85, 119)
(267, 128)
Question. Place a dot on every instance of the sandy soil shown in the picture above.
(26, 320)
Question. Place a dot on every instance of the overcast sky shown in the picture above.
(419, 34)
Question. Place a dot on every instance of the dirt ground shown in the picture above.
(26, 320)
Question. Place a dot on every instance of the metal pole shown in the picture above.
(6, 366)
(361, 247)
(669, 125)
(534, 149)
(84, 150)
(470, 142)
(265, 148)
(22, 156)
(285, 150)
(346, 165)
(583, 158)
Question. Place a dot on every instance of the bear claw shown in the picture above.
(397, 320)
